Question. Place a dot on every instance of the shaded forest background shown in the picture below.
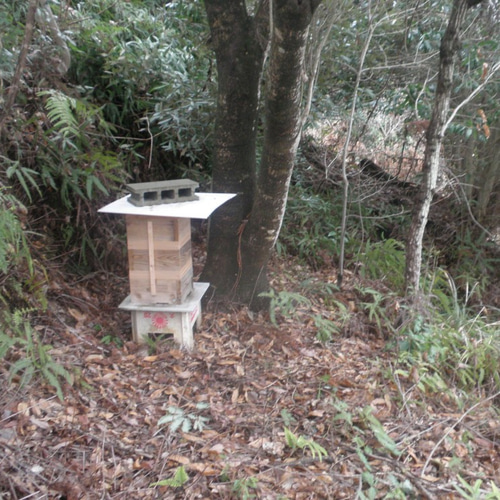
(113, 92)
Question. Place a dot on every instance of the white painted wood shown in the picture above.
(177, 319)
(196, 209)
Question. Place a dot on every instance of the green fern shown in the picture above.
(303, 443)
(37, 359)
(61, 111)
(177, 418)
(13, 245)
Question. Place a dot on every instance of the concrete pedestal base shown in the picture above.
(177, 319)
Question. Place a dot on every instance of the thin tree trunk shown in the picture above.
(489, 178)
(345, 151)
(435, 133)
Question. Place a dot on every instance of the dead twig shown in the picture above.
(447, 433)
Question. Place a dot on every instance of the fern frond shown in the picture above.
(61, 111)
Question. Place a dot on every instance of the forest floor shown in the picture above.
(360, 426)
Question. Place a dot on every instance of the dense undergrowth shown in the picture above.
(71, 143)
(452, 339)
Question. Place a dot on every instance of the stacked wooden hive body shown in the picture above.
(163, 298)
(159, 248)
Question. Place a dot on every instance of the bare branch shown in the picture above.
(473, 94)
(345, 150)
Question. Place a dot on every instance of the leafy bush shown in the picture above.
(384, 260)
(311, 228)
(151, 76)
(77, 166)
(65, 163)
(452, 349)
(34, 358)
(13, 246)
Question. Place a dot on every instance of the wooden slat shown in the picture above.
(169, 274)
(135, 243)
(166, 293)
(151, 248)
(164, 259)
(160, 261)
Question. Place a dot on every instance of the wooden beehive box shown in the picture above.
(159, 255)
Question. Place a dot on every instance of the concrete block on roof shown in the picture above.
(145, 194)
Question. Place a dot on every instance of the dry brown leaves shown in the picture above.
(103, 440)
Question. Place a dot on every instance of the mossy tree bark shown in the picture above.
(243, 233)
(239, 41)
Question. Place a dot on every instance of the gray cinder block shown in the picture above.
(156, 193)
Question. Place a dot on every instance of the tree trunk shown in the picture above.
(435, 132)
(239, 41)
(290, 22)
(243, 234)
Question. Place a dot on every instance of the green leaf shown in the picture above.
(24, 175)
(20, 365)
(61, 371)
(199, 423)
(290, 438)
(186, 425)
(380, 433)
(100, 185)
(60, 109)
(53, 381)
(316, 450)
(179, 479)
(24, 365)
